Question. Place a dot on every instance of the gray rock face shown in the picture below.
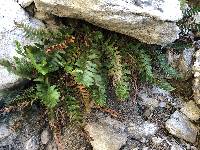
(183, 61)
(106, 136)
(180, 126)
(143, 130)
(4, 131)
(24, 3)
(191, 110)
(150, 21)
(9, 33)
(32, 144)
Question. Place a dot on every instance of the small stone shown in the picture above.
(157, 140)
(32, 144)
(162, 104)
(147, 101)
(143, 130)
(191, 110)
(45, 136)
(51, 146)
(145, 148)
(4, 131)
(180, 126)
(105, 138)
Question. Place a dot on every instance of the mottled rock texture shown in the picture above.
(180, 126)
(150, 21)
(9, 33)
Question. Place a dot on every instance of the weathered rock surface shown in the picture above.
(45, 136)
(180, 126)
(149, 21)
(24, 3)
(196, 81)
(191, 110)
(182, 61)
(4, 131)
(106, 136)
(9, 33)
(142, 130)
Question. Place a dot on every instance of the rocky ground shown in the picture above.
(153, 119)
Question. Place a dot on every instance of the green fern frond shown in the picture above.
(28, 95)
(49, 95)
(188, 23)
(168, 70)
(74, 109)
(164, 85)
(145, 66)
(31, 32)
(117, 71)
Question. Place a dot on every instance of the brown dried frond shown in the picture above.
(85, 97)
(62, 45)
(56, 128)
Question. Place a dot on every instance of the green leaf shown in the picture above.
(48, 94)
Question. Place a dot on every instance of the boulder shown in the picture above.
(108, 134)
(24, 3)
(9, 33)
(152, 22)
(180, 126)
(191, 110)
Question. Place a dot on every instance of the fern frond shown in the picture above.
(31, 32)
(74, 109)
(164, 85)
(20, 67)
(25, 95)
(117, 71)
(145, 66)
(49, 95)
(85, 96)
(168, 70)
(188, 23)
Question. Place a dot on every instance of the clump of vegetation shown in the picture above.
(71, 68)
(188, 22)
(82, 62)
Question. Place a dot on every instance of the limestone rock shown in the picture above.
(180, 126)
(32, 144)
(149, 21)
(182, 61)
(9, 33)
(4, 131)
(191, 110)
(143, 130)
(24, 3)
(45, 136)
(104, 137)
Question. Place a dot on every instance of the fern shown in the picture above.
(25, 95)
(145, 66)
(82, 60)
(183, 4)
(31, 32)
(166, 67)
(74, 109)
(49, 95)
(164, 85)
(188, 23)
(88, 73)
(117, 71)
